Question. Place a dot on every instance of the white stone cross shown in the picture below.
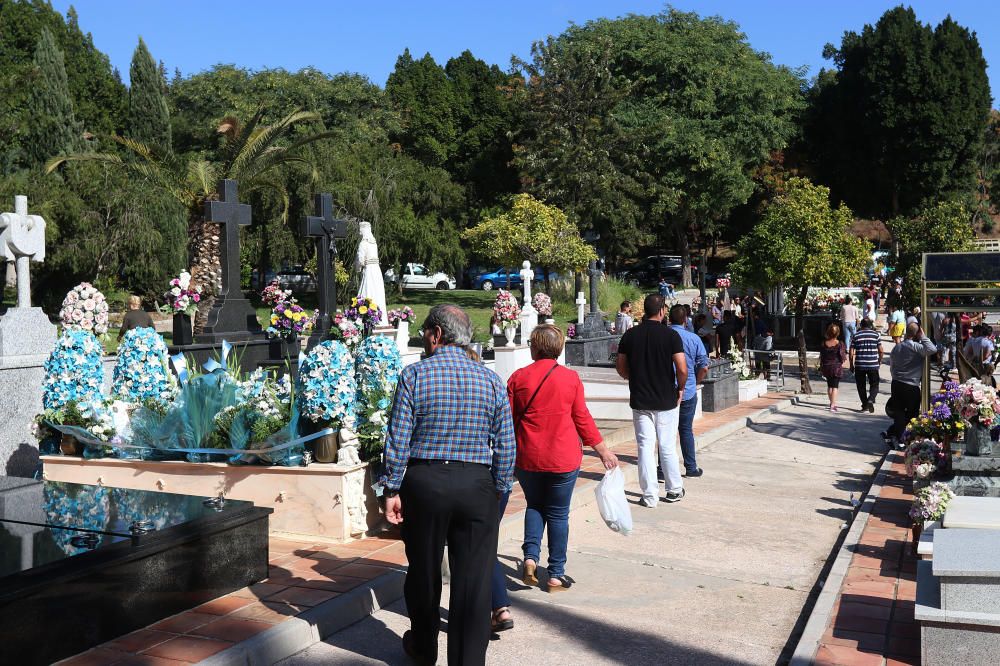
(22, 238)
(529, 316)
(581, 302)
(527, 275)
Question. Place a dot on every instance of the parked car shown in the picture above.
(297, 279)
(498, 279)
(418, 276)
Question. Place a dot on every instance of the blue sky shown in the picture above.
(366, 37)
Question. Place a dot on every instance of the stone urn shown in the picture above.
(977, 440)
(510, 332)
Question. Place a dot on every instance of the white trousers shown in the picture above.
(657, 431)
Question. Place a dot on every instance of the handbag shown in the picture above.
(527, 405)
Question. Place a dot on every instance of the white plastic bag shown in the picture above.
(612, 503)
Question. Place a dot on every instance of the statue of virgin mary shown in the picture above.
(372, 285)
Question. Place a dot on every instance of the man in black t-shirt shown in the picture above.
(651, 357)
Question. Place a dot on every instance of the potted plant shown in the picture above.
(929, 503)
(183, 299)
(507, 313)
(979, 406)
(543, 305)
(325, 394)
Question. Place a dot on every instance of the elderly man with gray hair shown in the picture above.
(449, 455)
(906, 364)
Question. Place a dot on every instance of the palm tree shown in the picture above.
(252, 153)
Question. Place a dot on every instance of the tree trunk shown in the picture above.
(682, 240)
(800, 306)
(548, 282)
(206, 267)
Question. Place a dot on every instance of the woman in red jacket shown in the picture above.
(550, 420)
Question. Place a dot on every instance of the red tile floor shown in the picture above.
(872, 622)
(304, 574)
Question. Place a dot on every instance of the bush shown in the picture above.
(610, 294)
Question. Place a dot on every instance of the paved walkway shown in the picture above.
(719, 578)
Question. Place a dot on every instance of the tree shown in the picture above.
(801, 242)
(943, 227)
(899, 122)
(420, 91)
(531, 230)
(148, 119)
(53, 129)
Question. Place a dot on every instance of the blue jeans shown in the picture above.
(499, 582)
(850, 330)
(548, 495)
(685, 428)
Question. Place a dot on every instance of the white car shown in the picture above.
(418, 276)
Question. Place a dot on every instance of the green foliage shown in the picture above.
(899, 123)
(53, 128)
(944, 227)
(534, 231)
(420, 92)
(148, 119)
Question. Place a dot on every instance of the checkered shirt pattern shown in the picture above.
(449, 407)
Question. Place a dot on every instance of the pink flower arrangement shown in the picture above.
(345, 330)
(979, 403)
(85, 308)
(182, 296)
(273, 294)
(505, 308)
(404, 313)
(723, 282)
(543, 304)
(931, 502)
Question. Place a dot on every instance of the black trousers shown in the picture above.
(870, 377)
(906, 401)
(454, 503)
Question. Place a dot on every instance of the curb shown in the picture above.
(299, 633)
(819, 618)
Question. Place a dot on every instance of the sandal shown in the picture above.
(528, 577)
(562, 583)
(499, 623)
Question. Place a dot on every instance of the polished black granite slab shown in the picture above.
(80, 565)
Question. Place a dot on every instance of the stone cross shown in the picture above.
(581, 303)
(325, 229)
(595, 273)
(529, 316)
(232, 215)
(22, 239)
(527, 275)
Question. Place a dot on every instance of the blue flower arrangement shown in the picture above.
(141, 372)
(377, 369)
(326, 387)
(73, 370)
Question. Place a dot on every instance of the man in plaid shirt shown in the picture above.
(449, 454)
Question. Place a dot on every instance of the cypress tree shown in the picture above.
(53, 128)
(148, 119)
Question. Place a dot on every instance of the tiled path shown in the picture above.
(872, 622)
(304, 574)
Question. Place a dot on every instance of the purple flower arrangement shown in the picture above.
(931, 502)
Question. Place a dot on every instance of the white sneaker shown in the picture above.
(648, 502)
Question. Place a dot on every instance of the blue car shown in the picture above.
(498, 279)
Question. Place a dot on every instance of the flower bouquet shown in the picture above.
(73, 370)
(739, 364)
(507, 313)
(261, 417)
(923, 458)
(326, 392)
(979, 406)
(377, 367)
(80, 427)
(182, 297)
(289, 320)
(822, 301)
(931, 502)
(345, 330)
(365, 313)
(141, 372)
(273, 294)
(571, 331)
(943, 421)
(85, 309)
(543, 304)
(403, 314)
(723, 282)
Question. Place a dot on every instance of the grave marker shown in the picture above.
(325, 229)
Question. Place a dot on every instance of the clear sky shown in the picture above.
(366, 37)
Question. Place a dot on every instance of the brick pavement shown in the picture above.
(872, 622)
(304, 574)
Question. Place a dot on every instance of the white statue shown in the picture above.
(22, 238)
(372, 285)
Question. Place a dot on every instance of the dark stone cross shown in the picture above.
(232, 316)
(326, 229)
(595, 273)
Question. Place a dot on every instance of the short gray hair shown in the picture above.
(456, 328)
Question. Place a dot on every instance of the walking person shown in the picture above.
(623, 320)
(697, 363)
(831, 362)
(550, 420)
(651, 357)
(866, 359)
(897, 323)
(906, 363)
(449, 457)
(949, 340)
(849, 320)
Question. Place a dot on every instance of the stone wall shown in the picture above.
(20, 401)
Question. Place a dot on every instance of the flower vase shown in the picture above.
(324, 449)
(182, 329)
(946, 449)
(403, 335)
(278, 349)
(916, 529)
(509, 332)
(977, 440)
(70, 445)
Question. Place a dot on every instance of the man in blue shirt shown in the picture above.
(449, 455)
(697, 363)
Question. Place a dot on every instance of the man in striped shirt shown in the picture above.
(449, 454)
(866, 359)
